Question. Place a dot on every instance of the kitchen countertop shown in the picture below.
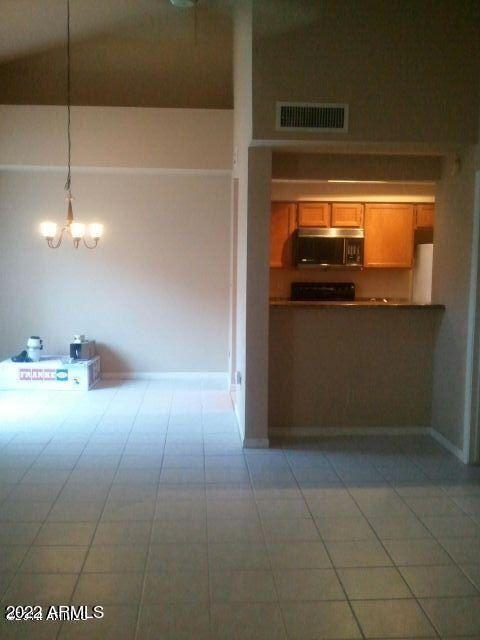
(359, 302)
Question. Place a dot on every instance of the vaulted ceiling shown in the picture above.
(143, 53)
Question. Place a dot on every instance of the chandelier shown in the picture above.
(75, 229)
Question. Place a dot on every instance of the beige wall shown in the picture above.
(322, 190)
(409, 71)
(123, 53)
(356, 166)
(187, 139)
(154, 294)
(257, 309)
(451, 286)
(253, 170)
(472, 444)
(350, 367)
(242, 135)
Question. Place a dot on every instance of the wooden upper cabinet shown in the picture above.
(347, 214)
(313, 214)
(425, 216)
(389, 236)
(282, 226)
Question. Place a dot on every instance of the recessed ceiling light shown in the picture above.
(184, 4)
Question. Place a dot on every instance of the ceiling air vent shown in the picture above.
(309, 116)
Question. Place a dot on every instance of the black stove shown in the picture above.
(328, 291)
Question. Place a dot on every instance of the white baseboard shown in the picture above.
(166, 375)
(449, 446)
(256, 443)
(317, 432)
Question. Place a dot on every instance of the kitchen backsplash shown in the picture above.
(369, 283)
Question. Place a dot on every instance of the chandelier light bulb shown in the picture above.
(96, 230)
(77, 229)
(48, 229)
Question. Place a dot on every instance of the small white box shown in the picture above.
(51, 373)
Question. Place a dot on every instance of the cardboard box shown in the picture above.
(51, 373)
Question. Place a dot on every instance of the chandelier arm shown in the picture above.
(54, 244)
(95, 243)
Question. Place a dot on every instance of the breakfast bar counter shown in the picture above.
(386, 303)
(355, 369)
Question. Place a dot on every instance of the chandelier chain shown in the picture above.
(195, 24)
(76, 230)
(68, 187)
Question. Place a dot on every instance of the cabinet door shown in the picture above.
(347, 214)
(389, 235)
(425, 216)
(313, 214)
(282, 225)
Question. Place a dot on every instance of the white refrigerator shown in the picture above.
(422, 274)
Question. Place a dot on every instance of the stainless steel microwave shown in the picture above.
(328, 247)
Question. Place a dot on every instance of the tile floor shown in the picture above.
(138, 497)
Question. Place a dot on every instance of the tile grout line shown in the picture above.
(367, 518)
(152, 525)
(394, 564)
(417, 600)
(346, 484)
(210, 602)
(347, 600)
(420, 519)
(272, 571)
(32, 544)
(432, 533)
(117, 391)
(106, 498)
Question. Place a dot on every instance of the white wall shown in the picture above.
(451, 286)
(154, 294)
